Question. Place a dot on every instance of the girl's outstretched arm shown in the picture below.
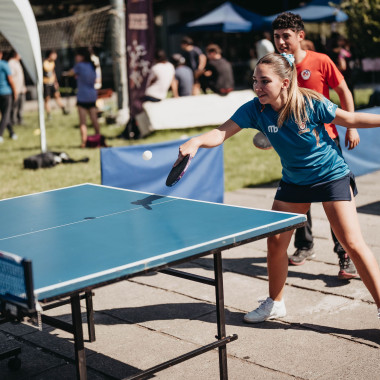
(356, 119)
(209, 139)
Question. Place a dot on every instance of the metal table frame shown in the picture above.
(74, 298)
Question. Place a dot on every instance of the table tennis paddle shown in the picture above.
(261, 141)
(178, 171)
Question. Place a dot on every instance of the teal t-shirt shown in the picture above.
(5, 88)
(308, 154)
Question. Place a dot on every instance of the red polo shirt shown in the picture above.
(318, 72)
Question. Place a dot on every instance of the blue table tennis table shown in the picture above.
(57, 246)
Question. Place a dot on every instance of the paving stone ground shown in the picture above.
(331, 330)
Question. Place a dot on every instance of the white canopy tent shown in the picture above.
(18, 25)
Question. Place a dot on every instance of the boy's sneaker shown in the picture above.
(301, 255)
(14, 136)
(347, 268)
(268, 309)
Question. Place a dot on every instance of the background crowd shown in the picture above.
(190, 71)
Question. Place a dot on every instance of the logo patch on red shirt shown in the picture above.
(305, 74)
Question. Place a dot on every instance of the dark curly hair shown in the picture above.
(288, 20)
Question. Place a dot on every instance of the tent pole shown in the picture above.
(119, 58)
(41, 116)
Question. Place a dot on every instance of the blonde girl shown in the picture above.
(313, 169)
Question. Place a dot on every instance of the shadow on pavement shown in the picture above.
(250, 267)
(370, 208)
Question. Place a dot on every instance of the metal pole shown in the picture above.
(220, 316)
(41, 115)
(80, 356)
(119, 58)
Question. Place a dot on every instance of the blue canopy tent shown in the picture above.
(227, 18)
(316, 11)
(324, 2)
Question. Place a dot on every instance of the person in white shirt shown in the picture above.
(160, 78)
(264, 46)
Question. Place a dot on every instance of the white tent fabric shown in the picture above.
(18, 25)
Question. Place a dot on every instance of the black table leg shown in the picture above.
(221, 320)
(90, 317)
(80, 355)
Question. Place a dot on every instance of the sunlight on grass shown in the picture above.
(244, 164)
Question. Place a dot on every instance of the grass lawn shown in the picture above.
(361, 97)
(244, 165)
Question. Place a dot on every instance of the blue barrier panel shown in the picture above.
(365, 158)
(125, 167)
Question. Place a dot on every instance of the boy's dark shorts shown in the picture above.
(337, 190)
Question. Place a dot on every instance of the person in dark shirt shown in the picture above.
(184, 79)
(218, 75)
(195, 59)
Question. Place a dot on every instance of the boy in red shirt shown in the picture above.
(317, 72)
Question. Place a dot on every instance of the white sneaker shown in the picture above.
(268, 309)
(1, 139)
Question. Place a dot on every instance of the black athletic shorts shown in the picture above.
(49, 90)
(87, 106)
(337, 190)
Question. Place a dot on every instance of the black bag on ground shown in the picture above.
(50, 159)
(131, 131)
(42, 160)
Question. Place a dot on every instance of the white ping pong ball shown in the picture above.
(147, 155)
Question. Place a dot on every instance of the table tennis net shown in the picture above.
(12, 277)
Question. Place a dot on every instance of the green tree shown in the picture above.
(363, 26)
